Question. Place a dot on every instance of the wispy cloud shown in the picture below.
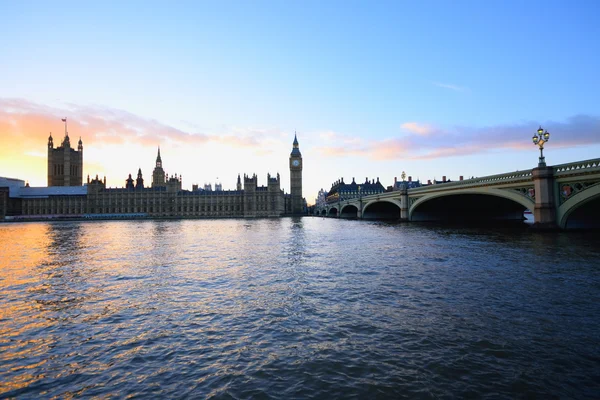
(450, 86)
(23, 120)
(579, 130)
(419, 129)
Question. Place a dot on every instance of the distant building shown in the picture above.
(409, 184)
(341, 191)
(321, 198)
(444, 180)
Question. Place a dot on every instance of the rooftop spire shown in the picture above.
(158, 160)
(296, 149)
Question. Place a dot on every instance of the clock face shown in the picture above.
(295, 163)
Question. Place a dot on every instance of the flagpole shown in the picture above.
(65, 121)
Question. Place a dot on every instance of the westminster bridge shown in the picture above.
(565, 196)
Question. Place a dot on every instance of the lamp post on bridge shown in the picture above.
(540, 138)
(544, 212)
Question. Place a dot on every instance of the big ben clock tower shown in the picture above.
(296, 179)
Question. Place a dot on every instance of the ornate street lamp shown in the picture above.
(540, 138)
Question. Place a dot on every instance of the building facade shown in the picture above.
(341, 191)
(164, 198)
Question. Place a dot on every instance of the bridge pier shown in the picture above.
(544, 212)
(404, 205)
(359, 213)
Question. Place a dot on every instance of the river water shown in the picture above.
(296, 308)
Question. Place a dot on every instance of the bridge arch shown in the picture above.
(382, 209)
(581, 211)
(487, 204)
(332, 212)
(349, 211)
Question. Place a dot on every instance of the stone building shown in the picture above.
(341, 191)
(164, 198)
(65, 164)
(297, 206)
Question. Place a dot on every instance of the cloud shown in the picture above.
(416, 128)
(25, 126)
(335, 144)
(99, 125)
(450, 86)
(428, 143)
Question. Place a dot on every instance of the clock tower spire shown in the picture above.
(296, 178)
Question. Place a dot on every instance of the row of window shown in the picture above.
(59, 169)
(76, 206)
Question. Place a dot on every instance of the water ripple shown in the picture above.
(296, 308)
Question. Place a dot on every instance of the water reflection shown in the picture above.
(296, 307)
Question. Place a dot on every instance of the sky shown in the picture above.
(372, 89)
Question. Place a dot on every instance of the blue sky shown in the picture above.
(373, 89)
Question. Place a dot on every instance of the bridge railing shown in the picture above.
(579, 166)
(509, 177)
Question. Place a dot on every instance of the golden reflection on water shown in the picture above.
(22, 247)
(56, 275)
(35, 290)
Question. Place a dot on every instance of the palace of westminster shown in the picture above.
(67, 197)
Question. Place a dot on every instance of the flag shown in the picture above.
(64, 120)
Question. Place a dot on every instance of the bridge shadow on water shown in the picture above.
(456, 224)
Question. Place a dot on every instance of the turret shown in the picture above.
(174, 184)
(66, 143)
(139, 182)
(250, 183)
(239, 183)
(129, 183)
(273, 183)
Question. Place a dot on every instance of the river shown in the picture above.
(296, 308)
